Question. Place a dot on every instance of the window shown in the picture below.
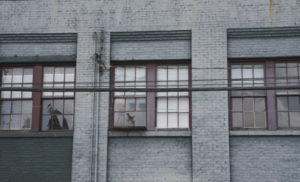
(36, 111)
(172, 107)
(16, 112)
(130, 107)
(150, 110)
(288, 109)
(265, 109)
(248, 107)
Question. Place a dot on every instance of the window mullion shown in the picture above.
(150, 83)
(37, 98)
(271, 96)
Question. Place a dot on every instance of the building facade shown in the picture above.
(169, 133)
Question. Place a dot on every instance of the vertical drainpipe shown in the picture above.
(96, 104)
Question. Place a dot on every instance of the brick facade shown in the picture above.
(210, 151)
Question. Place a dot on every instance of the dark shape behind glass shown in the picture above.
(54, 121)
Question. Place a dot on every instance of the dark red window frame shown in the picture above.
(151, 103)
(37, 97)
(270, 95)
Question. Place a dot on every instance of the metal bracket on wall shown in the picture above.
(98, 56)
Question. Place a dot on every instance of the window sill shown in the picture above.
(35, 134)
(266, 133)
(150, 134)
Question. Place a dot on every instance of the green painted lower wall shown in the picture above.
(36, 159)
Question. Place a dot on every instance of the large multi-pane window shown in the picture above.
(265, 109)
(16, 106)
(36, 111)
(248, 107)
(288, 101)
(172, 107)
(150, 110)
(58, 107)
(130, 107)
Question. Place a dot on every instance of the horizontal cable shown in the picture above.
(99, 89)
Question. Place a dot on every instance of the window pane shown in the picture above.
(130, 118)
(183, 73)
(68, 122)
(119, 74)
(17, 107)
(140, 119)
(26, 121)
(162, 120)
(7, 76)
(65, 123)
(294, 103)
(17, 76)
(161, 105)
(172, 105)
(258, 71)
(47, 106)
(247, 71)
(58, 107)
(27, 107)
(260, 119)
(237, 104)
(6, 94)
(172, 73)
(248, 104)
(46, 122)
(130, 104)
(249, 120)
(282, 103)
(28, 75)
(119, 119)
(280, 70)
(260, 104)
(236, 72)
(16, 94)
(5, 107)
(295, 119)
(119, 105)
(130, 74)
(183, 105)
(68, 106)
(162, 74)
(48, 74)
(172, 120)
(141, 104)
(5, 122)
(70, 74)
(283, 119)
(55, 122)
(15, 121)
(183, 120)
(237, 120)
(59, 74)
(292, 69)
(140, 74)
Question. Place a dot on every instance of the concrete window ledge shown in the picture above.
(266, 133)
(150, 134)
(35, 134)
